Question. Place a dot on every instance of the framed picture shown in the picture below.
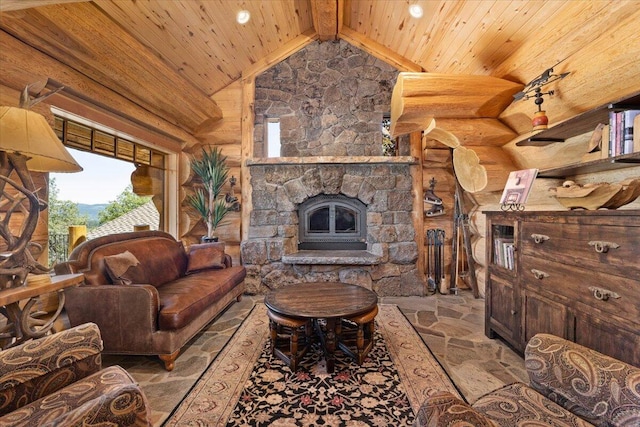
(518, 187)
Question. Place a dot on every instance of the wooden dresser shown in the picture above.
(574, 274)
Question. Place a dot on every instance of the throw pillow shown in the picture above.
(203, 256)
(125, 269)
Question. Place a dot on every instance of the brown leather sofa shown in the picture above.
(57, 380)
(146, 293)
(570, 385)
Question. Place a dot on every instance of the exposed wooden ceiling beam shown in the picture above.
(378, 50)
(22, 65)
(113, 58)
(8, 5)
(325, 18)
(420, 96)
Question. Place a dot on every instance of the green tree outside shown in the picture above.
(125, 202)
(62, 213)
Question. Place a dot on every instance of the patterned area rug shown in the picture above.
(245, 385)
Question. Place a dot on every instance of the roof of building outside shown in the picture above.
(146, 214)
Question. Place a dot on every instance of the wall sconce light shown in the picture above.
(28, 144)
(230, 197)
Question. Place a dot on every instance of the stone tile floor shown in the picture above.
(452, 326)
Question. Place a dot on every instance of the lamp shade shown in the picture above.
(28, 133)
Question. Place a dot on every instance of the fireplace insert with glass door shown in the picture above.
(332, 222)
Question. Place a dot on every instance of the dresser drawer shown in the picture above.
(584, 288)
(608, 249)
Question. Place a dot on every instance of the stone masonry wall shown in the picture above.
(330, 98)
(273, 232)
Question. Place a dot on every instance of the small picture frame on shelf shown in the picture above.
(517, 189)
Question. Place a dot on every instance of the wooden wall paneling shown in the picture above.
(217, 47)
(520, 22)
(609, 38)
(423, 95)
(482, 169)
(325, 18)
(248, 116)
(378, 50)
(94, 45)
(418, 216)
(229, 129)
(437, 157)
(456, 22)
(22, 65)
(9, 5)
(478, 131)
(474, 33)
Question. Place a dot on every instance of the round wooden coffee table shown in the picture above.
(330, 301)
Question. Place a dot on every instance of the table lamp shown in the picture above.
(27, 143)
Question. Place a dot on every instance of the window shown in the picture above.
(151, 164)
(273, 137)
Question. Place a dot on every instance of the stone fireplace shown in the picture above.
(272, 255)
(330, 99)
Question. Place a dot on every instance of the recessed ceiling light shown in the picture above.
(415, 10)
(243, 17)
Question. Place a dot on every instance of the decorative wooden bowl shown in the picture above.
(596, 196)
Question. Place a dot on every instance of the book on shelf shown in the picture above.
(623, 128)
(503, 252)
(636, 134)
(518, 186)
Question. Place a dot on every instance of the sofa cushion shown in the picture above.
(184, 299)
(125, 269)
(519, 405)
(203, 256)
(163, 259)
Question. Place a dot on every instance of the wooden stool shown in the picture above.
(290, 338)
(356, 335)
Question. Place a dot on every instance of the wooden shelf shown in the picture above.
(610, 163)
(583, 123)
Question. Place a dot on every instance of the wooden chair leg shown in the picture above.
(294, 350)
(273, 329)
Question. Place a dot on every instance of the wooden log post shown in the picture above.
(417, 97)
(77, 235)
(478, 169)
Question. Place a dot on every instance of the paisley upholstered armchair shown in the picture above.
(58, 380)
(570, 385)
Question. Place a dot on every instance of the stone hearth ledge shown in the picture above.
(329, 160)
(336, 257)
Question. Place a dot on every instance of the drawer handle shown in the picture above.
(539, 238)
(539, 274)
(603, 247)
(602, 294)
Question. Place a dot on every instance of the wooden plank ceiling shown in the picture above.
(170, 57)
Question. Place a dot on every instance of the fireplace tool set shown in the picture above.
(435, 259)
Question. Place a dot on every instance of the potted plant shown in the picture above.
(208, 201)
